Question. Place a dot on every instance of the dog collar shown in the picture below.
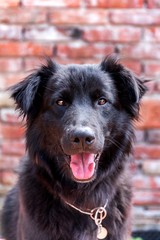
(98, 215)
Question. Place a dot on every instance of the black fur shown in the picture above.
(97, 103)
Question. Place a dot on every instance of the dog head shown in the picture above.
(79, 117)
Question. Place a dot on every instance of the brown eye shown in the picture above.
(102, 101)
(60, 103)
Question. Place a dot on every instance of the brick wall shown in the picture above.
(84, 31)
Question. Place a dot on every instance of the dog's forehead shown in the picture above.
(81, 77)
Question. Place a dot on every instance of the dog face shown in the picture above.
(76, 113)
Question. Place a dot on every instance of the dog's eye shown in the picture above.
(61, 102)
(102, 101)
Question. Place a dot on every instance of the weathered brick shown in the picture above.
(133, 65)
(151, 85)
(8, 79)
(141, 50)
(152, 34)
(9, 162)
(146, 217)
(10, 32)
(13, 147)
(112, 33)
(77, 60)
(23, 15)
(12, 131)
(8, 177)
(146, 182)
(139, 136)
(146, 198)
(80, 16)
(80, 50)
(9, 3)
(151, 167)
(11, 64)
(153, 3)
(114, 3)
(136, 17)
(4, 190)
(31, 63)
(9, 115)
(146, 151)
(44, 33)
(152, 68)
(158, 85)
(150, 111)
(15, 49)
(153, 136)
(5, 100)
(51, 3)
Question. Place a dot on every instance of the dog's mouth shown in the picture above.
(83, 166)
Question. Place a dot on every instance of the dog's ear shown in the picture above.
(29, 91)
(129, 87)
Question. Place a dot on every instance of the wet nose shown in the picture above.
(83, 137)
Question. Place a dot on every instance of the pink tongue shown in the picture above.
(82, 165)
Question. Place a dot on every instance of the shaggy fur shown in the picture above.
(74, 110)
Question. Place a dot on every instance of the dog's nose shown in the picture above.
(83, 137)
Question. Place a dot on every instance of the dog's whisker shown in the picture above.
(117, 144)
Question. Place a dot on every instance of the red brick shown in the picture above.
(133, 65)
(153, 136)
(139, 136)
(146, 182)
(152, 68)
(12, 131)
(8, 177)
(11, 64)
(15, 49)
(9, 162)
(13, 32)
(152, 34)
(99, 34)
(142, 50)
(158, 86)
(23, 15)
(31, 63)
(44, 33)
(114, 3)
(146, 151)
(80, 16)
(8, 79)
(13, 147)
(77, 60)
(151, 167)
(151, 85)
(52, 3)
(150, 112)
(128, 34)
(9, 3)
(5, 100)
(113, 34)
(136, 17)
(146, 198)
(79, 50)
(9, 115)
(153, 3)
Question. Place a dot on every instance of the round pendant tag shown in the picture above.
(102, 233)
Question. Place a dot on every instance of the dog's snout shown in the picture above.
(83, 137)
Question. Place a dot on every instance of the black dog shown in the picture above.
(78, 134)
